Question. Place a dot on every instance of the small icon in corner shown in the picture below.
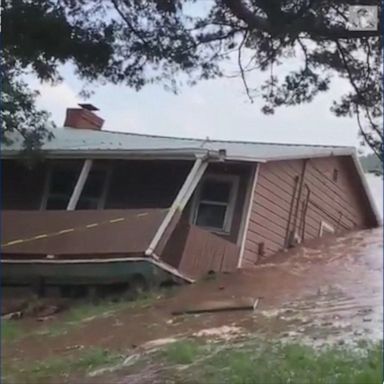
(363, 18)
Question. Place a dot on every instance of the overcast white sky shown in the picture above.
(216, 108)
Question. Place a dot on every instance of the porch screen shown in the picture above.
(62, 181)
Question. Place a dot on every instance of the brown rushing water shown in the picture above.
(339, 294)
(330, 291)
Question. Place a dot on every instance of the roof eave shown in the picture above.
(334, 152)
(163, 154)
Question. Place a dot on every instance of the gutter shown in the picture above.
(334, 152)
(166, 154)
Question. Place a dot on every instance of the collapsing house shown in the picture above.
(110, 208)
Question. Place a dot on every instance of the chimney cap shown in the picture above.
(89, 107)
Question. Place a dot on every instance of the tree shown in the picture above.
(136, 42)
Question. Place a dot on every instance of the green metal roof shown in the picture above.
(82, 142)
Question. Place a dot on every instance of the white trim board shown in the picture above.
(247, 219)
(180, 201)
(76, 193)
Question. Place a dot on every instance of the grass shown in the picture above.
(53, 368)
(259, 362)
(181, 352)
(291, 363)
(189, 362)
(13, 330)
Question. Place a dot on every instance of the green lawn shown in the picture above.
(258, 362)
(292, 363)
(190, 362)
(58, 369)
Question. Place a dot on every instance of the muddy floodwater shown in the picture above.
(333, 292)
(329, 291)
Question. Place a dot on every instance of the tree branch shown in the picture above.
(375, 128)
(242, 73)
(128, 22)
(305, 24)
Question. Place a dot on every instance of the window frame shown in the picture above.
(100, 201)
(326, 228)
(230, 205)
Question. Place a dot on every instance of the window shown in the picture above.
(325, 228)
(61, 182)
(214, 203)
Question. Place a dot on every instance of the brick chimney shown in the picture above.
(83, 118)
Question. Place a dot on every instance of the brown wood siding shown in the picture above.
(21, 187)
(342, 204)
(195, 251)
